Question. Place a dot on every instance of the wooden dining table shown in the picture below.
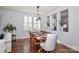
(36, 39)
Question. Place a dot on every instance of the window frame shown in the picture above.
(35, 25)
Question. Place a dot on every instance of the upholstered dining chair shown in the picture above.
(50, 43)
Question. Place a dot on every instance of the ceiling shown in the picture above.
(32, 9)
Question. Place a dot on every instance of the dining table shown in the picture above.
(37, 38)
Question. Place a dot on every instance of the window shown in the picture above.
(64, 20)
(54, 21)
(30, 23)
(36, 24)
(25, 23)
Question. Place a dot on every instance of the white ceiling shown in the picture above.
(32, 9)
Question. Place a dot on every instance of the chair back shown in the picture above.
(32, 42)
(51, 42)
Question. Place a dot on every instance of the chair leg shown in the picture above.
(50, 51)
(40, 49)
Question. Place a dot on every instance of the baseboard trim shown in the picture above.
(22, 38)
(70, 46)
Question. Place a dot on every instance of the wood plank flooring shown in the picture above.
(23, 46)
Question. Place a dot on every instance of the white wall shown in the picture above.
(43, 24)
(17, 19)
(0, 25)
(71, 38)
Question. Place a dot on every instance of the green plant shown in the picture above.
(9, 28)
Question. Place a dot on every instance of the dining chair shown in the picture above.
(50, 43)
(33, 43)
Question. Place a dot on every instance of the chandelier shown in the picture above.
(38, 16)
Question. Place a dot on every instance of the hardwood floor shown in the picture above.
(20, 46)
(23, 46)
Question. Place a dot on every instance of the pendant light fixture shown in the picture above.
(38, 16)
